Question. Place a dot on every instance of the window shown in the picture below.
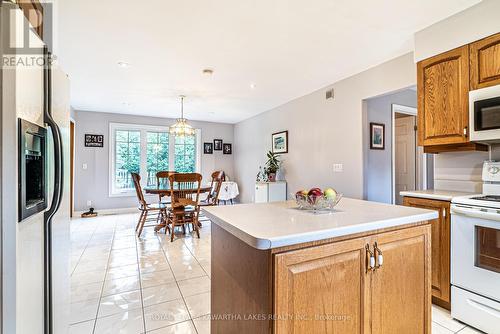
(127, 148)
(146, 150)
(157, 154)
(185, 154)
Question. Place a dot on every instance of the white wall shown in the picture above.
(378, 163)
(462, 28)
(93, 183)
(321, 132)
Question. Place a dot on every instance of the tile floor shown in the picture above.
(121, 284)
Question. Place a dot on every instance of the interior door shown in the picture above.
(405, 154)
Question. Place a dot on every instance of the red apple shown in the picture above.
(314, 194)
(301, 194)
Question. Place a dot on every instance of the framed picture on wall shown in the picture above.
(227, 149)
(280, 142)
(217, 144)
(377, 136)
(208, 148)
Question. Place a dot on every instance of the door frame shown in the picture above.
(72, 132)
(420, 161)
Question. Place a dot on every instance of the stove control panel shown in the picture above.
(491, 171)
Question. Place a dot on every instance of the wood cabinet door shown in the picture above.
(443, 97)
(400, 287)
(485, 62)
(321, 289)
(440, 238)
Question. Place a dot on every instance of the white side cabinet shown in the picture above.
(270, 192)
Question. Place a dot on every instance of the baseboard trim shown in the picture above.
(108, 212)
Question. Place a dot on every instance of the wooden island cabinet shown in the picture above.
(374, 280)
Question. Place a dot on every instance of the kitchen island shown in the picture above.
(364, 268)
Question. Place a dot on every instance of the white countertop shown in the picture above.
(442, 195)
(278, 224)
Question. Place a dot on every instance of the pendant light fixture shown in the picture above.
(181, 128)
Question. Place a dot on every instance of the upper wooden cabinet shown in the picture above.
(443, 97)
(485, 62)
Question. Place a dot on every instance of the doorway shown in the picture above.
(409, 162)
(72, 165)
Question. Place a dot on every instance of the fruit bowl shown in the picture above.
(317, 203)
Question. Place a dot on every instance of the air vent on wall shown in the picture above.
(329, 94)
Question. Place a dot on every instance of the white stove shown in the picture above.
(475, 254)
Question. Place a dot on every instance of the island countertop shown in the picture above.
(272, 225)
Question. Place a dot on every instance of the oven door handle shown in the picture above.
(475, 213)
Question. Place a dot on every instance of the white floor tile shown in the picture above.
(470, 330)
(82, 328)
(120, 303)
(83, 311)
(121, 285)
(165, 314)
(157, 278)
(186, 327)
(130, 322)
(443, 318)
(198, 305)
(438, 329)
(121, 272)
(87, 278)
(202, 324)
(160, 294)
(194, 286)
(85, 292)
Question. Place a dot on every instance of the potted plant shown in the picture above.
(272, 166)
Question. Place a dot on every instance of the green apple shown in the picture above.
(330, 193)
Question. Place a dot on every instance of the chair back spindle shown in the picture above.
(185, 189)
(138, 189)
(215, 186)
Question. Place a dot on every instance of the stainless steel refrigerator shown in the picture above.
(35, 248)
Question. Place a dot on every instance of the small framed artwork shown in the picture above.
(208, 148)
(227, 149)
(280, 142)
(217, 144)
(94, 140)
(377, 136)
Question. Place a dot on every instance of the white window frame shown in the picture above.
(143, 161)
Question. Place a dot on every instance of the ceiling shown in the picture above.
(285, 48)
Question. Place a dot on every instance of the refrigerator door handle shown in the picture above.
(56, 197)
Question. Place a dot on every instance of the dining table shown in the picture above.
(163, 189)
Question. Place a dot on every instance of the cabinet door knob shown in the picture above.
(380, 257)
(371, 258)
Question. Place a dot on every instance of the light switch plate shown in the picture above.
(338, 168)
(84, 166)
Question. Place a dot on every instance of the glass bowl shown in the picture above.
(317, 203)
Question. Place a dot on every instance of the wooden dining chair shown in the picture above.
(158, 209)
(162, 176)
(213, 196)
(185, 196)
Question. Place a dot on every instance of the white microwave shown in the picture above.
(484, 114)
